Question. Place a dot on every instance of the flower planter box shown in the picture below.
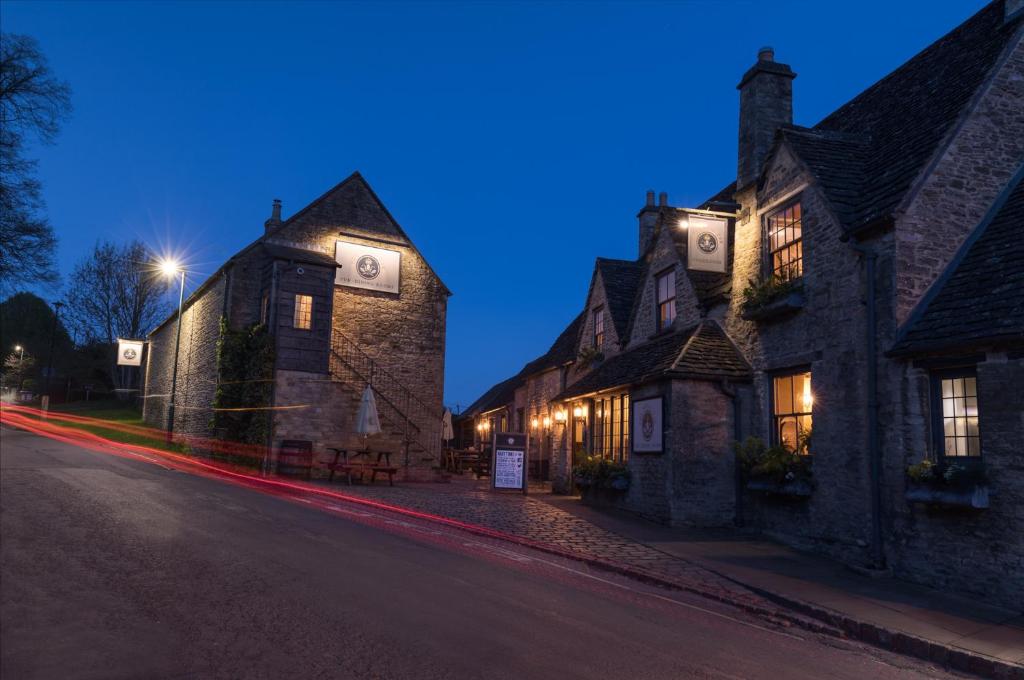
(795, 489)
(776, 309)
(970, 497)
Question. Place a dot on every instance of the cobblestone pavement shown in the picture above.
(470, 501)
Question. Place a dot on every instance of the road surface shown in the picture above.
(114, 568)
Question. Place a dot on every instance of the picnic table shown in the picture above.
(460, 460)
(359, 462)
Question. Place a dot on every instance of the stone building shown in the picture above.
(348, 301)
(869, 324)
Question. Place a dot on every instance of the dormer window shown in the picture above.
(784, 238)
(665, 289)
(599, 327)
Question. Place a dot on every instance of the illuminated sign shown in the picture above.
(362, 266)
(707, 246)
(129, 352)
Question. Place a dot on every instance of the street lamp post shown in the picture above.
(170, 268)
(53, 335)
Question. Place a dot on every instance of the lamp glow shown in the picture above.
(807, 396)
(534, 423)
(577, 412)
(17, 348)
(547, 422)
(169, 267)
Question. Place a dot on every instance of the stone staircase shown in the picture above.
(403, 415)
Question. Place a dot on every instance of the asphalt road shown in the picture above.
(114, 568)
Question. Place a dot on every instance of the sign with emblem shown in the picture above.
(647, 426)
(129, 352)
(508, 465)
(362, 266)
(707, 244)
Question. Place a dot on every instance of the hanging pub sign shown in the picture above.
(707, 244)
(362, 266)
(129, 352)
(646, 433)
(508, 462)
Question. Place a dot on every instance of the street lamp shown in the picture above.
(21, 360)
(170, 268)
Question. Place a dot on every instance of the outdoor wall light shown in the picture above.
(578, 412)
(534, 423)
(547, 422)
(561, 416)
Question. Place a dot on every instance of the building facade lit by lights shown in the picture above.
(346, 301)
(869, 324)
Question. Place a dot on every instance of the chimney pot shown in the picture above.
(766, 54)
(663, 199)
(275, 210)
(650, 198)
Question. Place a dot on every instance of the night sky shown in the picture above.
(513, 142)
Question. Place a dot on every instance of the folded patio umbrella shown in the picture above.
(367, 420)
(447, 432)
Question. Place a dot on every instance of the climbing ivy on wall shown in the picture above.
(245, 366)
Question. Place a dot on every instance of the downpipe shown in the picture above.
(870, 257)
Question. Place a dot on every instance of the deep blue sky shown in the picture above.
(513, 142)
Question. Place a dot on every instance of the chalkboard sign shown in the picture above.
(508, 462)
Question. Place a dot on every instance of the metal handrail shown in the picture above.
(408, 408)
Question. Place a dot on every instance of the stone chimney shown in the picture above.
(275, 217)
(766, 103)
(648, 218)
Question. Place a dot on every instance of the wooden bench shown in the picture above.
(349, 467)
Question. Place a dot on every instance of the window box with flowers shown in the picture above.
(772, 298)
(959, 485)
(774, 470)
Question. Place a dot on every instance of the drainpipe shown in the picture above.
(737, 433)
(271, 328)
(874, 446)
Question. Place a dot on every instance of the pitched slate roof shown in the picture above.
(890, 131)
(621, 279)
(701, 352)
(980, 300)
(499, 395)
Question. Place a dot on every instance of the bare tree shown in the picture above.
(32, 105)
(116, 292)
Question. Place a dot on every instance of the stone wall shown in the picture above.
(972, 171)
(197, 364)
(662, 256)
(300, 349)
(826, 337)
(980, 552)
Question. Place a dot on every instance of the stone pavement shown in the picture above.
(752, 573)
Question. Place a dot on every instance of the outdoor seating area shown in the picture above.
(358, 463)
(472, 459)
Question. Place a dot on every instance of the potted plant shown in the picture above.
(952, 484)
(774, 470)
(774, 296)
(589, 356)
(596, 475)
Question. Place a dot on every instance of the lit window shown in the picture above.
(611, 428)
(956, 416)
(792, 402)
(599, 327)
(785, 242)
(666, 298)
(303, 312)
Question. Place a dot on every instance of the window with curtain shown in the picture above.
(792, 403)
(666, 298)
(955, 413)
(303, 318)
